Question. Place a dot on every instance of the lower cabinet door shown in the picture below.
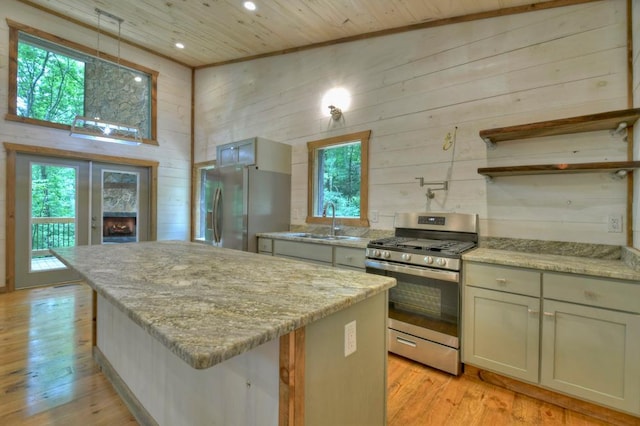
(501, 332)
(592, 353)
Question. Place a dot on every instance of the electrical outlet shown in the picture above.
(350, 338)
(614, 223)
(374, 215)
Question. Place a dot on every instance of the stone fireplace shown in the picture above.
(119, 203)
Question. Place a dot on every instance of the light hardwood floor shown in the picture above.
(48, 377)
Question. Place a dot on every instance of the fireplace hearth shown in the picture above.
(119, 227)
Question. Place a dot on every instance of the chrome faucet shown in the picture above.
(333, 217)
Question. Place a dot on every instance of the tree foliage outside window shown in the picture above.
(50, 85)
(339, 169)
(53, 195)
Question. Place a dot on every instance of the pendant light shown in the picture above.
(95, 128)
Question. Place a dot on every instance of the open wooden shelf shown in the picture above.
(584, 123)
(540, 169)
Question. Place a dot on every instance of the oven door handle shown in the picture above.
(436, 274)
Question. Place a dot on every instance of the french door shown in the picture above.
(64, 203)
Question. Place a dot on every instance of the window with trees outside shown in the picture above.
(51, 81)
(338, 175)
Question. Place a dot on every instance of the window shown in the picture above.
(338, 174)
(51, 81)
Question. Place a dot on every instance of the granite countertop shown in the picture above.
(208, 304)
(610, 268)
(349, 241)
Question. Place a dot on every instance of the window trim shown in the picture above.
(312, 147)
(15, 28)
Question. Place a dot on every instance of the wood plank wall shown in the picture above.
(174, 125)
(414, 88)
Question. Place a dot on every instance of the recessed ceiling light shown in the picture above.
(249, 5)
(179, 45)
(138, 78)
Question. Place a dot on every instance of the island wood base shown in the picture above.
(597, 411)
(302, 378)
(292, 356)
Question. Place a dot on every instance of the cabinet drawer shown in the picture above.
(298, 250)
(265, 245)
(350, 257)
(503, 278)
(600, 292)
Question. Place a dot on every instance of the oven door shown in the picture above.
(424, 313)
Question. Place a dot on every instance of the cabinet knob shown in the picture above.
(501, 281)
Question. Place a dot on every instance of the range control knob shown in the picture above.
(428, 260)
(376, 253)
(386, 254)
(441, 262)
(406, 257)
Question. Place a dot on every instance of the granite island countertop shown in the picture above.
(208, 304)
(609, 268)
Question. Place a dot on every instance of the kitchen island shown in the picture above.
(193, 334)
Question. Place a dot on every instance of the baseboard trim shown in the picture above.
(599, 412)
(133, 404)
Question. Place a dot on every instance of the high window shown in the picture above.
(51, 81)
(338, 175)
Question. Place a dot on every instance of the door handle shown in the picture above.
(216, 215)
(406, 342)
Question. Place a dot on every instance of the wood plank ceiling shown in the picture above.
(218, 31)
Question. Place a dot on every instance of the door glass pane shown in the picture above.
(53, 213)
(203, 198)
(120, 191)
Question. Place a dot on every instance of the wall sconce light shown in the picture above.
(335, 112)
(335, 102)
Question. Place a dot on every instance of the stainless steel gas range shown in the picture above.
(424, 308)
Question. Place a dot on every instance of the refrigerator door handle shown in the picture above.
(216, 213)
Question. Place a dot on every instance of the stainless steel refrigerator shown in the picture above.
(241, 201)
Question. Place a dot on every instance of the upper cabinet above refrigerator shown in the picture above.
(263, 153)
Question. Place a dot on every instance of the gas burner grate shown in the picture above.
(422, 245)
(387, 242)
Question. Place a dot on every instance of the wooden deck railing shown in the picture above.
(51, 232)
